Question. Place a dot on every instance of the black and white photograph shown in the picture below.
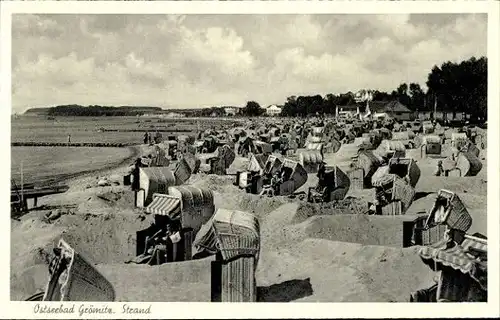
(305, 157)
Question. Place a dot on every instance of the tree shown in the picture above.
(417, 96)
(381, 96)
(330, 103)
(461, 87)
(302, 106)
(401, 94)
(290, 107)
(96, 111)
(252, 109)
(346, 99)
(402, 89)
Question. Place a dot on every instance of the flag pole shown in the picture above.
(22, 184)
(435, 104)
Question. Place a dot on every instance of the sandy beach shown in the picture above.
(309, 252)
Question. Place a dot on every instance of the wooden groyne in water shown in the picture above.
(73, 144)
(151, 129)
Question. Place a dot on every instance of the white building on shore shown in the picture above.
(174, 115)
(273, 110)
(230, 111)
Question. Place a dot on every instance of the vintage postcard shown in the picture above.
(329, 158)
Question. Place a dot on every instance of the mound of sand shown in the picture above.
(95, 205)
(100, 238)
(28, 282)
(109, 238)
(172, 282)
(349, 205)
(323, 271)
(108, 201)
(211, 182)
(469, 185)
(228, 196)
(290, 223)
(31, 241)
(80, 193)
(363, 229)
(239, 164)
(309, 252)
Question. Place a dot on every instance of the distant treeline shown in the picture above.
(111, 111)
(453, 87)
(96, 111)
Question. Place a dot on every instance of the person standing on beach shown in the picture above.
(157, 137)
(439, 169)
(135, 174)
(146, 138)
(69, 139)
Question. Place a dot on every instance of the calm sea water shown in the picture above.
(45, 164)
(42, 164)
(81, 129)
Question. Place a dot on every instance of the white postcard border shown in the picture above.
(24, 310)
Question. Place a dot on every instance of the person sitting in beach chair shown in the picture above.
(252, 179)
(153, 249)
(156, 248)
(382, 196)
(163, 246)
(274, 184)
(173, 239)
(284, 148)
(372, 208)
(319, 193)
(321, 170)
(276, 181)
(324, 188)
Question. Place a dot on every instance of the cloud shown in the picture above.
(182, 61)
(215, 52)
(36, 26)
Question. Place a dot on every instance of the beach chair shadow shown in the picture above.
(286, 291)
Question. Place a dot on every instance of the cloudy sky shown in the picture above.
(202, 60)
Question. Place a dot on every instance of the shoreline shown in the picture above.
(135, 151)
(72, 144)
